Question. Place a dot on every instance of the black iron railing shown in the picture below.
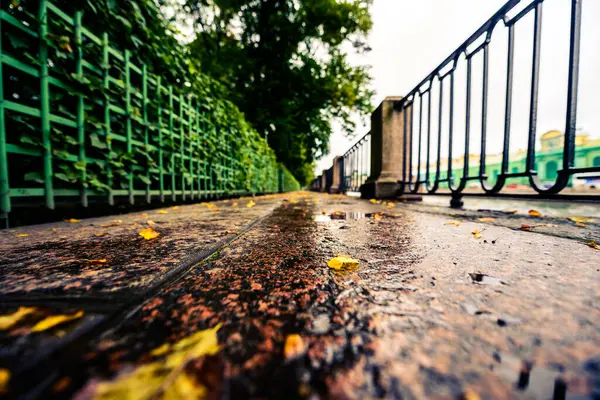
(446, 126)
(356, 164)
(479, 43)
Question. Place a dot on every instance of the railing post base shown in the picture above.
(380, 190)
(456, 202)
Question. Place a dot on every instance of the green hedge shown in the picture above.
(101, 101)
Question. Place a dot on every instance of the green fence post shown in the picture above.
(160, 140)
(181, 144)
(80, 108)
(128, 129)
(45, 104)
(106, 65)
(191, 146)
(4, 187)
(172, 151)
(145, 118)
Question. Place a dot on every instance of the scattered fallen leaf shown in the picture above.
(10, 320)
(294, 346)
(100, 261)
(148, 234)
(150, 222)
(580, 219)
(593, 245)
(250, 204)
(162, 212)
(511, 211)
(117, 221)
(20, 235)
(581, 224)
(535, 213)
(486, 219)
(391, 205)
(4, 378)
(373, 201)
(175, 208)
(62, 384)
(525, 227)
(455, 223)
(168, 375)
(235, 204)
(72, 220)
(476, 234)
(343, 263)
(54, 320)
(377, 216)
(470, 395)
(100, 234)
(144, 215)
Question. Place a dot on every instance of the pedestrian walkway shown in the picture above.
(235, 299)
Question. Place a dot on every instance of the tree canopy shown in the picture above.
(284, 64)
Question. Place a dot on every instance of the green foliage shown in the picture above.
(285, 66)
(222, 146)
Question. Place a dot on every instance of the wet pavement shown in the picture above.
(444, 303)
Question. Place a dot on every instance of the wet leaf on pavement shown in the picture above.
(535, 213)
(294, 346)
(55, 320)
(593, 245)
(167, 377)
(343, 263)
(580, 219)
(373, 201)
(4, 378)
(162, 212)
(149, 233)
(10, 320)
(72, 220)
(525, 227)
(250, 204)
(476, 234)
(455, 223)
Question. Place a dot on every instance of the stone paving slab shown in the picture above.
(432, 312)
(107, 256)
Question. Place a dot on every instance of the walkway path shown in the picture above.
(443, 304)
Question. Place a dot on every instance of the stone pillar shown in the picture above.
(324, 181)
(337, 175)
(387, 152)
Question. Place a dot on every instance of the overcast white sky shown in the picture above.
(410, 38)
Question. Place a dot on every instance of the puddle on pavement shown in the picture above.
(351, 215)
(485, 279)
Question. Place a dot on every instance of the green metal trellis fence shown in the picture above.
(99, 126)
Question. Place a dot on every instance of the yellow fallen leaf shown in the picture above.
(486, 219)
(581, 224)
(373, 201)
(525, 227)
(535, 213)
(476, 234)
(100, 261)
(593, 245)
(4, 378)
(148, 234)
(162, 212)
(580, 219)
(23, 235)
(168, 376)
(455, 223)
(294, 346)
(144, 215)
(72, 220)
(117, 221)
(343, 263)
(100, 234)
(54, 320)
(377, 216)
(10, 320)
(250, 204)
(390, 205)
(234, 204)
(150, 222)
(175, 208)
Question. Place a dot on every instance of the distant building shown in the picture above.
(548, 159)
